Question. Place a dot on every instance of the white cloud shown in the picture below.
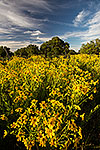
(10, 16)
(73, 34)
(15, 19)
(34, 33)
(27, 4)
(44, 39)
(93, 25)
(59, 22)
(75, 47)
(15, 13)
(80, 17)
(14, 45)
(92, 32)
(3, 30)
(19, 20)
(42, 4)
(28, 32)
(95, 19)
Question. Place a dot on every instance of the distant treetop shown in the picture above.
(5, 52)
(91, 48)
(27, 51)
(54, 47)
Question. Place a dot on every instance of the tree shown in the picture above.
(21, 52)
(54, 47)
(27, 51)
(2, 52)
(5, 52)
(44, 49)
(98, 44)
(32, 49)
(72, 52)
(91, 48)
(66, 48)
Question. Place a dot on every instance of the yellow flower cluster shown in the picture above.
(44, 98)
(49, 124)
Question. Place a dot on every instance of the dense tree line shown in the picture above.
(52, 48)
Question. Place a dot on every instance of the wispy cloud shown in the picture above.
(36, 4)
(17, 26)
(34, 33)
(44, 39)
(95, 19)
(16, 13)
(14, 45)
(93, 25)
(4, 30)
(80, 17)
(92, 32)
(58, 22)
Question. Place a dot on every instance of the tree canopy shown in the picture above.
(91, 48)
(27, 51)
(54, 47)
(72, 52)
(5, 52)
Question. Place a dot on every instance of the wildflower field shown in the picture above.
(50, 104)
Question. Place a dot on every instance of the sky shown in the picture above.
(24, 22)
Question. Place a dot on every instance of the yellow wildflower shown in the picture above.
(51, 122)
(77, 107)
(3, 117)
(82, 116)
(5, 133)
(80, 132)
(76, 114)
(43, 105)
(19, 110)
(49, 132)
(34, 121)
(41, 139)
(91, 97)
(95, 90)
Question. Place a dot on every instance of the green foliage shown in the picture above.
(21, 52)
(5, 52)
(91, 48)
(2, 52)
(50, 103)
(27, 51)
(32, 49)
(72, 52)
(54, 47)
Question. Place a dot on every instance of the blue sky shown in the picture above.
(24, 22)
